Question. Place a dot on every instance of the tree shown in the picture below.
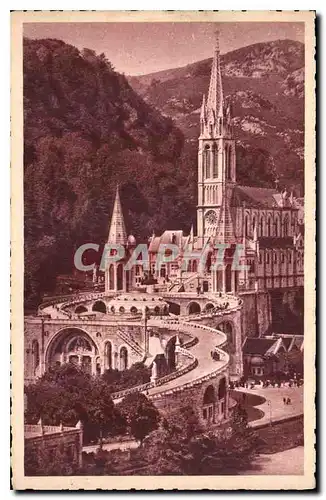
(167, 449)
(141, 416)
(181, 446)
(67, 394)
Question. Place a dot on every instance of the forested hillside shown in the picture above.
(85, 130)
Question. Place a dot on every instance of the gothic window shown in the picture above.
(123, 358)
(253, 223)
(290, 257)
(220, 126)
(208, 164)
(226, 162)
(262, 226)
(120, 277)
(275, 258)
(283, 258)
(229, 163)
(269, 226)
(111, 277)
(286, 226)
(267, 257)
(215, 162)
(260, 257)
(211, 128)
(276, 226)
(108, 354)
(206, 161)
(246, 225)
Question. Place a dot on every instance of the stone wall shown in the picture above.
(171, 401)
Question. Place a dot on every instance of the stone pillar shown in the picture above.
(223, 278)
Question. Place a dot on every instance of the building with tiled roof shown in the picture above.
(266, 356)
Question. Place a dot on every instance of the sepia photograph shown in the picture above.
(163, 259)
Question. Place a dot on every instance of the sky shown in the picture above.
(141, 48)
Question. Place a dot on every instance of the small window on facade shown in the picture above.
(283, 258)
(267, 257)
(290, 257)
(260, 257)
(275, 258)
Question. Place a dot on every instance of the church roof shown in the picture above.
(255, 197)
(167, 238)
(258, 345)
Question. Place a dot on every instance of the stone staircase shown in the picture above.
(131, 343)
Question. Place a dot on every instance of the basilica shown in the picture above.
(261, 227)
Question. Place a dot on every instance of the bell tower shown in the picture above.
(216, 161)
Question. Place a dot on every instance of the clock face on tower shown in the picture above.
(211, 218)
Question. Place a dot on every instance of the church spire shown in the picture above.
(215, 93)
(117, 233)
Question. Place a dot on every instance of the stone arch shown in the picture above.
(111, 277)
(108, 355)
(35, 355)
(193, 308)
(123, 358)
(174, 308)
(209, 395)
(73, 345)
(120, 277)
(228, 328)
(99, 306)
(208, 404)
(80, 309)
(170, 354)
(221, 393)
(209, 307)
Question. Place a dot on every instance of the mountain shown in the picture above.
(85, 131)
(265, 83)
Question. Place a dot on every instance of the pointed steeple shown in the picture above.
(203, 109)
(117, 233)
(215, 93)
(191, 234)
